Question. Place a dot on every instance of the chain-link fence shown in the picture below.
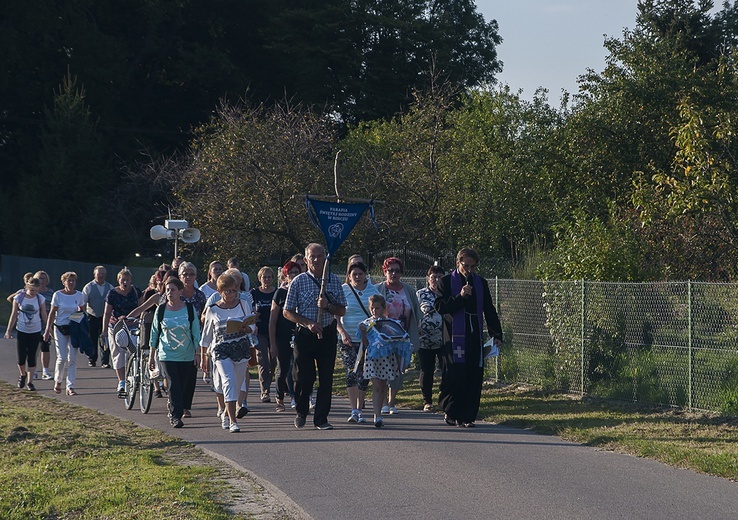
(673, 344)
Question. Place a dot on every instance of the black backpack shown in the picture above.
(159, 316)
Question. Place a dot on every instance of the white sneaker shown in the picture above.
(385, 409)
(292, 403)
(225, 422)
(220, 412)
(47, 376)
(234, 428)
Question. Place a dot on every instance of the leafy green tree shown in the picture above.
(244, 182)
(364, 59)
(626, 130)
(501, 173)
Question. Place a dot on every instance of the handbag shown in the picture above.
(66, 330)
(252, 360)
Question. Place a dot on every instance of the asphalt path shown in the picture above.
(416, 466)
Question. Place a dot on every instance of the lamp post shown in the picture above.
(175, 230)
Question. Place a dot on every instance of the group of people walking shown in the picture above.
(291, 327)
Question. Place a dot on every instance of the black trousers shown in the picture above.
(95, 331)
(284, 361)
(309, 352)
(461, 387)
(26, 347)
(427, 359)
(181, 379)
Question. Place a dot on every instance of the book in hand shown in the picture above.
(235, 324)
(77, 316)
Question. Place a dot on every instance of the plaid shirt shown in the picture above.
(302, 297)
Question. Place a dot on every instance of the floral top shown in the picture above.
(198, 300)
(121, 304)
(431, 322)
(398, 306)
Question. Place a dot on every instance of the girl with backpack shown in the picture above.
(29, 316)
(175, 332)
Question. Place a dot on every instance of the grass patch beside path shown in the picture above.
(702, 442)
(65, 461)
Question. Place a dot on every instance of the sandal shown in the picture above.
(70, 391)
(57, 388)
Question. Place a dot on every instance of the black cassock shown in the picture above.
(461, 383)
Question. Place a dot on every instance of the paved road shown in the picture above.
(416, 467)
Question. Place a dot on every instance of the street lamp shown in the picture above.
(175, 230)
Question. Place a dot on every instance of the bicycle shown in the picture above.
(137, 377)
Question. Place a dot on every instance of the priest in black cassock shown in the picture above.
(466, 304)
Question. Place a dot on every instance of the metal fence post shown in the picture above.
(497, 308)
(584, 312)
(689, 343)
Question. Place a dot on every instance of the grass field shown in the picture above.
(64, 461)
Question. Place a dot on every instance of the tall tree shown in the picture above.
(243, 183)
(61, 208)
(622, 132)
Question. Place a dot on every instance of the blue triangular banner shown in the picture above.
(336, 220)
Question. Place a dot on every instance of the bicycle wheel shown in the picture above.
(147, 385)
(131, 380)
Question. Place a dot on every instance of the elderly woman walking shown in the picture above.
(64, 303)
(225, 338)
(403, 306)
(120, 301)
(431, 335)
(262, 297)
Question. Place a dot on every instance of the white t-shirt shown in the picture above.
(67, 304)
(29, 317)
(207, 291)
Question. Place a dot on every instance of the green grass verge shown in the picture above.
(701, 442)
(64, 461)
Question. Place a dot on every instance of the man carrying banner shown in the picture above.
(464, 301)
(314, 308)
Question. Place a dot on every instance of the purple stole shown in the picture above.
(458, 324)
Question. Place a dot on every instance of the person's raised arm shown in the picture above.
(153, 300)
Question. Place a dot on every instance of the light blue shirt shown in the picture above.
(174, 338)
(354, 313)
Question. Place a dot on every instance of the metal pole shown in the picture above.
(497, 308)
(584, 313)
(689, 343)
